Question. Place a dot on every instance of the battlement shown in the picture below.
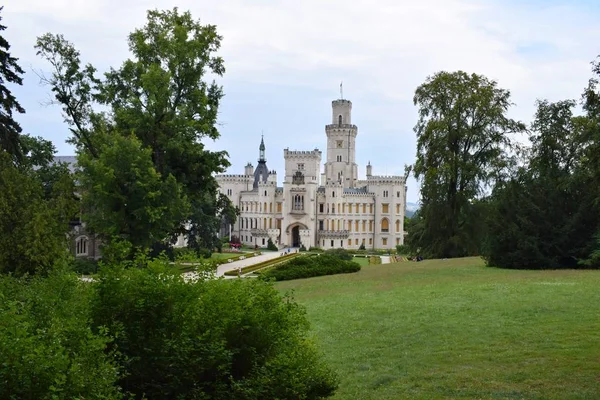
(267, 184)
(233, 178)
(352, 127)
(384, 179)
(316, 153)
(340, 102)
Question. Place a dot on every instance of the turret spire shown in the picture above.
(261, 149)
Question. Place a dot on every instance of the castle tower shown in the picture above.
(369, 169)
(249, 169)
(261, 174)
(341, 146)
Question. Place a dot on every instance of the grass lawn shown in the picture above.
(456, 329)
(362, 261)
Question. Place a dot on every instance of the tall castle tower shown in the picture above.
(340, 167)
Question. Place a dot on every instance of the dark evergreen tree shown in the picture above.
(10, 72)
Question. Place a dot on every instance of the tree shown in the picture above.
(463, 147)
(36, 207)
(161, 97)
(137, 204)
(9, 72)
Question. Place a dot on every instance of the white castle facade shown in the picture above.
(329, 209)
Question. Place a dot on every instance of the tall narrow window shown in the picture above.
(339, 120)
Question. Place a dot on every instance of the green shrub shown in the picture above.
(271, 246)
(374, 260)
(403, 249)
(342, 254)
(306, 267)
(48, 349)
(302, 248)
(315, 249)
(213, 339)
(85, 266)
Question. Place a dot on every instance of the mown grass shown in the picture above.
(456, 329)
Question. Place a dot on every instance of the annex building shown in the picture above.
(318, 205)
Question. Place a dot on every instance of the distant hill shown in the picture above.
(411, 208)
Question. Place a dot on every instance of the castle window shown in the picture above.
(339, 120)
(81, 246)
(333, 208)
(339, 158)
(278, 207)
(385, 208)
(385, 193)
(265, 192)
(332, 243)
(384, 241)
(332, 194)
(298, 202)
(321, 225)
(300, 167)
(397, 194)
(385, 225)
(397, 225)
(229, 192)
(321, 207)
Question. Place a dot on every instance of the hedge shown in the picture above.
(307, 267)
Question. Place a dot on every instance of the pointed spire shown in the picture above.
(261, 148)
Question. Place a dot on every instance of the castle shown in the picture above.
(332, 209)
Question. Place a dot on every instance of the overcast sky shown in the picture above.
(285, 59)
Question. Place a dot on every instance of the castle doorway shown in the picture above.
(296, 236)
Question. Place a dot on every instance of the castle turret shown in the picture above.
(262, 172)
(249, 169)
(369, 169)
(341, 149)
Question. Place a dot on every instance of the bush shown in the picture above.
(306, 267)
(315, 249)
(213, 339)
(403, 249)
(342, 254)
(85, 266)
(47, 347)
(374, 260)
(271, 246)
(302, 248)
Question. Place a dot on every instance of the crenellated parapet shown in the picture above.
(385, 180)
(233, 178)
(316, 153)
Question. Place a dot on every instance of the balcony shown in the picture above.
(333, 234)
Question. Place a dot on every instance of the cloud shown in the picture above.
(285, 59)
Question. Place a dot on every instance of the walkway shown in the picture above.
(232, 266)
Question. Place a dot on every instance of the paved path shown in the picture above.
(221, 269)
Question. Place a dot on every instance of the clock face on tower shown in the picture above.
(340, 144)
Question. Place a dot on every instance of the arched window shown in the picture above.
(385, 225)
(397, 225)
(81, 246)
(339, 158)
(265, 208)
(340, 119)
(332, 194)
(265, 192)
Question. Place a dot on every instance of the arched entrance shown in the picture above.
(296, 236)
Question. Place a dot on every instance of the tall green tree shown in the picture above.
(463, 146)
(10, 72)
(162, 96)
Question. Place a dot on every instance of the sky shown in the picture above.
(285, 60)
